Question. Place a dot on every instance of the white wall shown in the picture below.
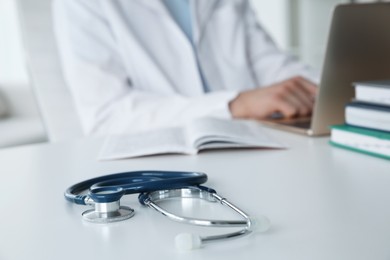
(299, 27)
(274, 15)
(12, 68)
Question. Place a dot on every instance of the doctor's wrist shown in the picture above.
(237, 106)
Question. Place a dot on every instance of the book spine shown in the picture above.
(360, 140)
(373, 94)
(368, 116)
(354, 149)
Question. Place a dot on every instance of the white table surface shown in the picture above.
(324, 203)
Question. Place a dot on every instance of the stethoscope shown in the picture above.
(105, 192)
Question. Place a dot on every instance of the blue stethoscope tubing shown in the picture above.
(110, 188)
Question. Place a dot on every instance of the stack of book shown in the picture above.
(367, 121)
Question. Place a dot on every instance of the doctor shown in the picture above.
(143, 64)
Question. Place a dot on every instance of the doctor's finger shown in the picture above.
(304, 98)
(307, 86)
(287, 109)
(297, 97)
(299, 106)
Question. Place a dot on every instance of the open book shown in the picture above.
(200, 134)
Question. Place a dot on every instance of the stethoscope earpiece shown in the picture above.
(260, 224)
(188, 241)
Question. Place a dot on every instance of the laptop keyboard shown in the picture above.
(304, 124)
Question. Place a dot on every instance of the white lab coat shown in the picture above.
(131, 68)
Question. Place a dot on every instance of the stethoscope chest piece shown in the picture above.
(107, 213)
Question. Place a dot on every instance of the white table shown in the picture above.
(324, 203)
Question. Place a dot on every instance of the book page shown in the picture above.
(169, 140)
(208, 133)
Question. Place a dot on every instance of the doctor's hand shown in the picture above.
(291, 98)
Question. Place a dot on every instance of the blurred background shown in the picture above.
(300, 27)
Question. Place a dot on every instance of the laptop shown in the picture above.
(358, 50)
